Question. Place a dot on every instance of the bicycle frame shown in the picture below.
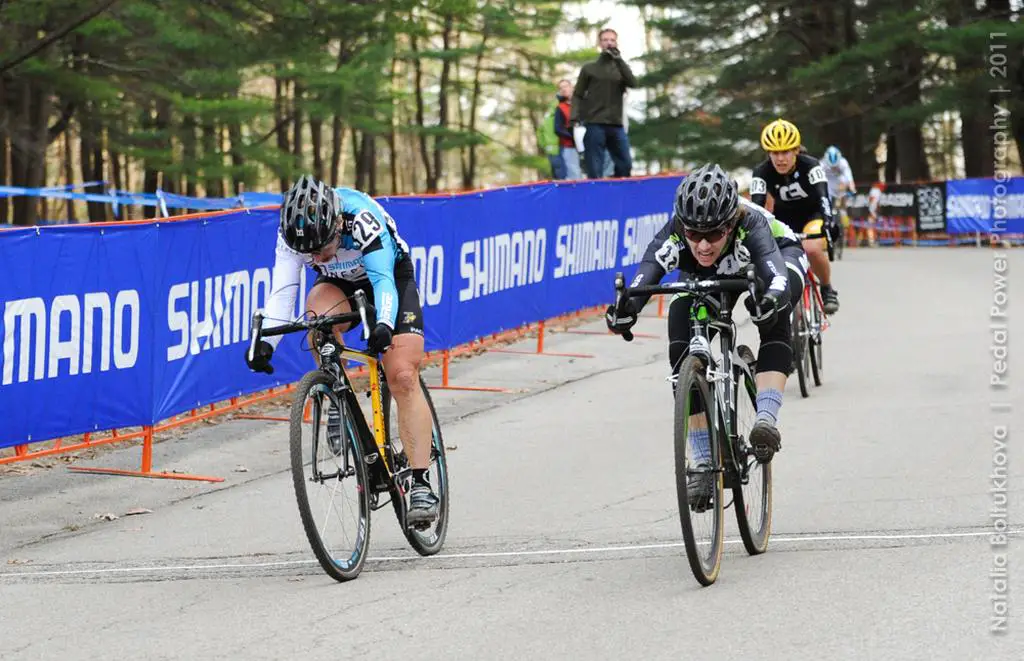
(331, 354)
(722, 403)
(334, 366)
(721, 319)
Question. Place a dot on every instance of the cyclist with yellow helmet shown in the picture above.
(799, 186)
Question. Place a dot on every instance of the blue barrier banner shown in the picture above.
(78, 327)
(985, 205)
(125, 325)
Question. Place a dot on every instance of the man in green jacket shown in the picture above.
(597, 104)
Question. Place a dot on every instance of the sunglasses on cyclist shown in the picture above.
(712, 236)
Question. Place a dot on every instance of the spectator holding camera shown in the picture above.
(597, 105)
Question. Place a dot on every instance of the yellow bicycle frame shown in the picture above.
(376, 399)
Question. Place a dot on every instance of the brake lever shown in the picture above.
(360, 297)
(620, 288)
(752, 289)
(257, 334)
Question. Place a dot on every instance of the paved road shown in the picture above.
(565, 540)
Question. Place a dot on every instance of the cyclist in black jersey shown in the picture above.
(799, 187)
(713, 232)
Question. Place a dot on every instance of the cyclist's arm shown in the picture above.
(765, 255)
(373, 239)
(847, 176)
(758, 188)
(819, 181)
(661, 257)
(284, 289)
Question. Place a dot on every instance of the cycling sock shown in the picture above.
(419, 476)
(768, 404)
(701, 444)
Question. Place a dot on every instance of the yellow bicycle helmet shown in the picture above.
(780, 135)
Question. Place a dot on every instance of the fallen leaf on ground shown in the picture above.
(109, 516)
(241, 469)
(138, 510)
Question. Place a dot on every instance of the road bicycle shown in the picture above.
(844, 223)
(344, 456)
(809, 322)
(715, 397)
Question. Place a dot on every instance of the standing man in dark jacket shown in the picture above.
(597, 104)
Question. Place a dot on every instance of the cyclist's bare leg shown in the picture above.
(816, 250)
(402, 368)
(770, 381)
(325, 299)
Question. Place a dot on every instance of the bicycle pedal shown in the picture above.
(763, 454)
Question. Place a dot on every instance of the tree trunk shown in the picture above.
(28, 147)
(297, 141)
(212, 161)
(4, 152)
(316, 137)
(442, 101)
(88, 147)
(420, 121)
(237, 159)
(469, 174)
(975, 106)
(280, 115)
(370, 162)
(392, 138)
(913, 165)
(97, 171)
(165, 143)
(150, 174)
(69, 175)
(337, 138)
(189, 153)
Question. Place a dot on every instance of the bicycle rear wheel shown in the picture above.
(800, 358)
(330, 478)
(752, 491)
(815, 339)
(698, 459)
(427, 541)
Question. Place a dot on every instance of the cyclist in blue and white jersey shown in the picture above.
(352, 243)
(838, 172)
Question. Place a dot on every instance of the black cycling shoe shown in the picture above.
(423, 506)
(830, 298)
(700, 488)
(766, 440)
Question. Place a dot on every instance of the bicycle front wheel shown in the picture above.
(330, 478)
(800, 357)
(429, 540)
(698, 460)
(752, 490)
(815, 339)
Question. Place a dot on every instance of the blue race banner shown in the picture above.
(989, 206)
(125, 325)
(78, 327)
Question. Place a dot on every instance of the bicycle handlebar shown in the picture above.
(700, 287)
(318, 323)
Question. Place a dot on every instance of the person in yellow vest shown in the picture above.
(549, 143)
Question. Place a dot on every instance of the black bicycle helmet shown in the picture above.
(705, 201)
(308, 215)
